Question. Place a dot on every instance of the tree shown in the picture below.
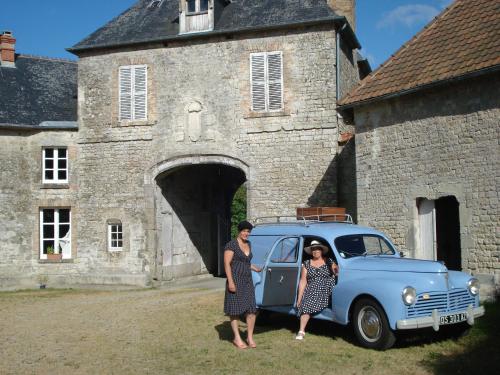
(238, 209)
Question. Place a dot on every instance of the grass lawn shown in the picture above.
(185, 332)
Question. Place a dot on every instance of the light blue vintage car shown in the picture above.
(378, 291)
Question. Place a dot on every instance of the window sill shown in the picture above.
(48, 261)
(252, 114)
(54, 186)
(122, 123)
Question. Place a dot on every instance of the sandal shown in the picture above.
(240, 345)
(300, 335)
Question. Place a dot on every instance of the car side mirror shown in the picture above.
(401, 254)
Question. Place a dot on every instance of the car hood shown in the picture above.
(393, 264)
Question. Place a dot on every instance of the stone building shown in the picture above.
(179, 103)
(427, 136)
(38, 133)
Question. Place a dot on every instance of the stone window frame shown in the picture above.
(55, 168)
(57, 240)
(110, 231)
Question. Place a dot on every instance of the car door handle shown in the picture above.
(281, 279)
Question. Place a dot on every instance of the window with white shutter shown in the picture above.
(133, 92)
(266, 77)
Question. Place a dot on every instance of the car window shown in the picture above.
(362, 244)
(286, 251)
(261, 246)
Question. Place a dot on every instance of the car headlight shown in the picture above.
(409, 295)
(473, 286)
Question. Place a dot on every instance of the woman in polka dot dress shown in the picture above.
(240, 294)
(315, 286)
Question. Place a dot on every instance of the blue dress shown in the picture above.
(243, 301)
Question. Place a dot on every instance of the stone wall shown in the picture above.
(22, 194)
(430, 145)
(199, 113)
(288, 157)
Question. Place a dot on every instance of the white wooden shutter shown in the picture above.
(125, 99)
(140, 93)
(275, 81)
(258, 81)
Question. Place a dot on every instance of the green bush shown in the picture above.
(238, 209)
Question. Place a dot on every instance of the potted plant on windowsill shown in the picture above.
(51, 255)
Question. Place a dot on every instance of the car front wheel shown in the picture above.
(371, 326)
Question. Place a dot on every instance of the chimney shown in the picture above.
(346, 8)
(7, 49)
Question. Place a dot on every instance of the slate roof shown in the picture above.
(463, 40)
(38, 90)
(140, 24)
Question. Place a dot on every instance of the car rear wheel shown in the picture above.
(371, 326)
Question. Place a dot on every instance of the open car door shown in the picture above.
(281, 273)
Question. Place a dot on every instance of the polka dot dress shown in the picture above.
(243, 301)
(318, 290)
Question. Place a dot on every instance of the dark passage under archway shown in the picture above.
(193, 214)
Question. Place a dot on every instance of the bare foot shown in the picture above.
(251, 343)
(240, 344)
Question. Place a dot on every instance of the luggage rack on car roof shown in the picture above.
(304, 220)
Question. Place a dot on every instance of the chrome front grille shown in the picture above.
(444, 302)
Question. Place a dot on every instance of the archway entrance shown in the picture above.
(193, 216)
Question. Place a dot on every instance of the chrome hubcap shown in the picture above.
(369, 324)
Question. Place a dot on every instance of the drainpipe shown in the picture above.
(337, 57)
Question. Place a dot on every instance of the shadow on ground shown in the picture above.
(268, 321)
(475, 353)
(481, 349)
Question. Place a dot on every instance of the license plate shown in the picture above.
(452, 318)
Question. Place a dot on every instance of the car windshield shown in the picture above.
(362, 244)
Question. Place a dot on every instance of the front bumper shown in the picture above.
(433, 320)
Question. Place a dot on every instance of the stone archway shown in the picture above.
(193, 196)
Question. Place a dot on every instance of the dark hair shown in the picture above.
(244, 225)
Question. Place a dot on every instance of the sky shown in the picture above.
(47, 27)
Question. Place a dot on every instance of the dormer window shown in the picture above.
(197, 6)
(198, 15)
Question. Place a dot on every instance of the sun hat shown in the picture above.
(244, 225)
(314, 245)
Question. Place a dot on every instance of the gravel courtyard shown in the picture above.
(183, 331)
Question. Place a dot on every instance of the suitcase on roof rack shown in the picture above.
(321, 213)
